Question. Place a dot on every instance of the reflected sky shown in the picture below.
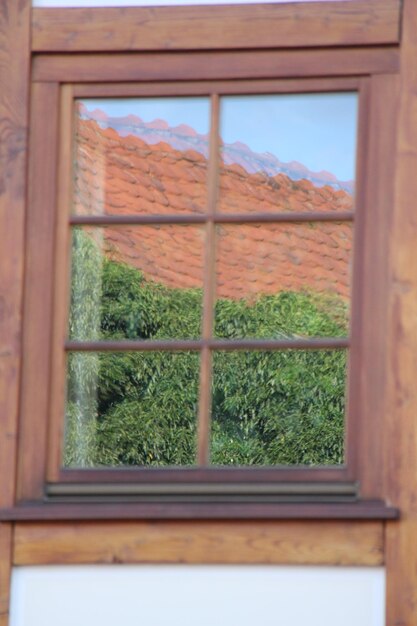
(317, 130)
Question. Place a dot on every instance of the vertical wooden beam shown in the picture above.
(206, 363)
(401, 425)
(5, 566)
(14, 88)
(40, 236)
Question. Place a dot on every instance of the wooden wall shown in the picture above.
(338, 542)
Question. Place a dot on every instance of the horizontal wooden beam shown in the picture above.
(213, 27)
(319, 543)
(150, 345)
(225, 87)
(220, 218)
(361, 510)
(198, 66)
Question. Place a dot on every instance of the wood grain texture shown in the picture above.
(111, 511)
(296, 85)
(61, 283)
(199, 66)
(6, 538)
(401, 423)
(330, 543)
(14, 88)
(204, 27)
(14, 77)
(38, 296)
(375, 174)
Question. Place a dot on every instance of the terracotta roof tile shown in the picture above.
(125, 175)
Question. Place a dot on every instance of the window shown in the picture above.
(210, 283)
(161, 302)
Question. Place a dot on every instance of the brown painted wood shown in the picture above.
(6, 539)
(376, 229)
(321, 343)
(38, 293)
(61, 283)
(215, 66)
(361, 510)
(14, 84)
(298, 85)
(14, 77)
(353, 412)
(295, 543)
(209, 288)
(207, 475)
(220, 218)
(211, 27)
(401, 399)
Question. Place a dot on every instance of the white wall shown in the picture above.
(185, 595)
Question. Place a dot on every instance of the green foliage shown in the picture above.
(140, 408)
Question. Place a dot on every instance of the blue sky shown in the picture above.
(318, 130)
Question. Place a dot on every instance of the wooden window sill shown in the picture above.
(361, 509)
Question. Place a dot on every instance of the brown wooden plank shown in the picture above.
(38, 294)
(61, 280)
(153, 475)
(216, 66)
(209, 288)
(296, 543)
(6, 538)
(146, 345)
(220, 218)
(211, 27)
(401, 399)
(378, 210)
(14, 81)
(288, 85)
(361, 510)
(353, 412)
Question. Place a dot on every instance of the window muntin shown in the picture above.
(206, 348)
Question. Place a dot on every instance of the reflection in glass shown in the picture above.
(141, 156)
(278, 408)
(291, 153)
(283, 280)
(136, 282)
(131, 408)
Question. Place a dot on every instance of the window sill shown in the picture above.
(358, 510)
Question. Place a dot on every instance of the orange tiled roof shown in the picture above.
(124, 175)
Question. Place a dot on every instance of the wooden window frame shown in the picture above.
(57, 78)
(199, 475)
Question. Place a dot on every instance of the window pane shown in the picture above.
(141, 156)
(131, 408)
(136, 282)
(283, 280)
(288, 152)
(278, 408)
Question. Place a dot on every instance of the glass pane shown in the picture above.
(141, 156)
(283, 280)
(131, 408)
(288, 153)
(278, 408)
(136, 282)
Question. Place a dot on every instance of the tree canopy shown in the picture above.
(140, 408)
